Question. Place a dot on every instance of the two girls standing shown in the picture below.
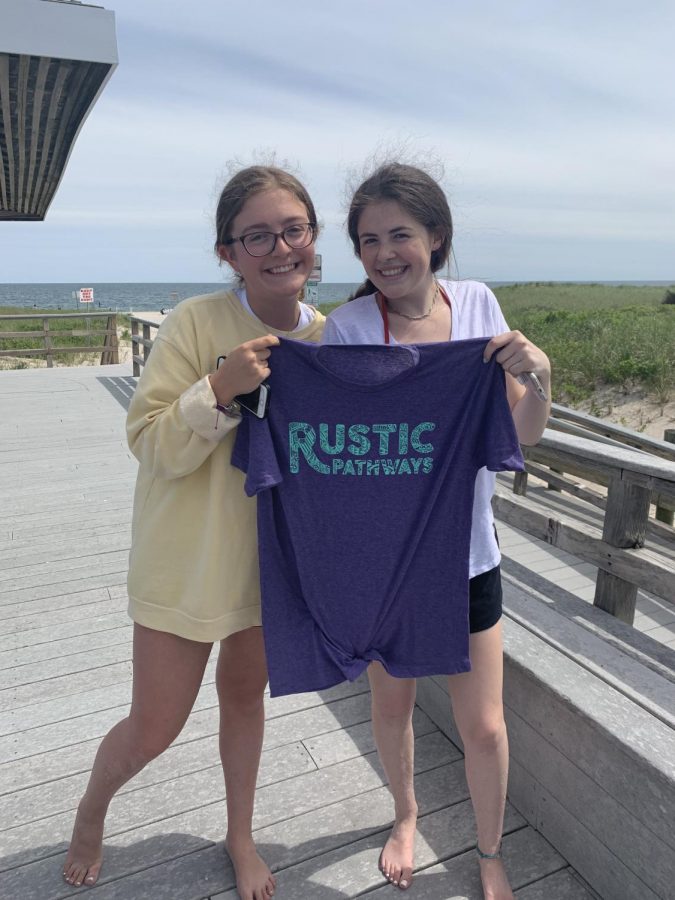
(193, 577)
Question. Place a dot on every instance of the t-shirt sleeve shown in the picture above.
(332, 333)
(498, 442)
(499, 324)
(254, 454)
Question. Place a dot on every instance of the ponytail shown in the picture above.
(365, 288)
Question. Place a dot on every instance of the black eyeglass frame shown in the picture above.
(276, 235)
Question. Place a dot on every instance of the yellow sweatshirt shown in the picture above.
(193, 566)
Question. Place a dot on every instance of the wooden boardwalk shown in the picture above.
(323, 810)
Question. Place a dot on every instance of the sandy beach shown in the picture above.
(635, 409)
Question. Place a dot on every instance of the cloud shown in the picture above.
(552, 121)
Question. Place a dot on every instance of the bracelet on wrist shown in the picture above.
(229, 409)
(232, 410)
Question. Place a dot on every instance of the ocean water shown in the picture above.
(128, 296)
(144, 296)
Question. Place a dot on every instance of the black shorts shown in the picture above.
(485, 600)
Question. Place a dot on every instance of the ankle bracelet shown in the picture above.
(496, 855)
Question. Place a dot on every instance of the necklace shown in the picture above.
(424, 315)
(382, 306)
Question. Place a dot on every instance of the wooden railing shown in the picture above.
(634, 480)
(141, 344)
(109, 350)
(571, 421)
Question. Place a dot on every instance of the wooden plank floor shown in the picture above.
(322, 811)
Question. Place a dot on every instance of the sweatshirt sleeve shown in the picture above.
(172, 424)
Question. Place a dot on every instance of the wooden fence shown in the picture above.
(109, 349)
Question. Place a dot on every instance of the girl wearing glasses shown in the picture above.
(193, 568)
(401, 229)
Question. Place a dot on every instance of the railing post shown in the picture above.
(554, 487)
(110, 352)
(146, 345)
(134, 347)
(625, 526)
(48, 343)
(663, 514)
(520, 484)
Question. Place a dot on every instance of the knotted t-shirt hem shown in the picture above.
(283, 686)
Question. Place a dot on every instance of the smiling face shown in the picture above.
(395, 250)
(280, 275)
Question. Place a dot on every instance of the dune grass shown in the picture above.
(596, 335)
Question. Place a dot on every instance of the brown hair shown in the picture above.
(250, 181)
(418, 193)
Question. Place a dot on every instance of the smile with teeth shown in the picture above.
(281, 270)
(392, 273)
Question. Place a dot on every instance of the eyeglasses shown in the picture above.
(261, 243)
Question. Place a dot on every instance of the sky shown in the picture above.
(550, 125)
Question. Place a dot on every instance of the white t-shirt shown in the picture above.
(475, 313)
(306, 312)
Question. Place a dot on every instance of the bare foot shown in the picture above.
(494, 880)
(84, 857)
(254, 879)
(396, 859)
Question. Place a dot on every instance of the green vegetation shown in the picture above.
(561, 295)
(58, 330)
(596, 335)
(626, 347)
(326, 308)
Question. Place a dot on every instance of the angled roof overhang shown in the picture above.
(55, 58)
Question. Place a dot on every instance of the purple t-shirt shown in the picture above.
(364, 470)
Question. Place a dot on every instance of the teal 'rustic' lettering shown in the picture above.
(361, 444)
(301, 439)
(339, 444)
(384, 431)
(415, 437)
